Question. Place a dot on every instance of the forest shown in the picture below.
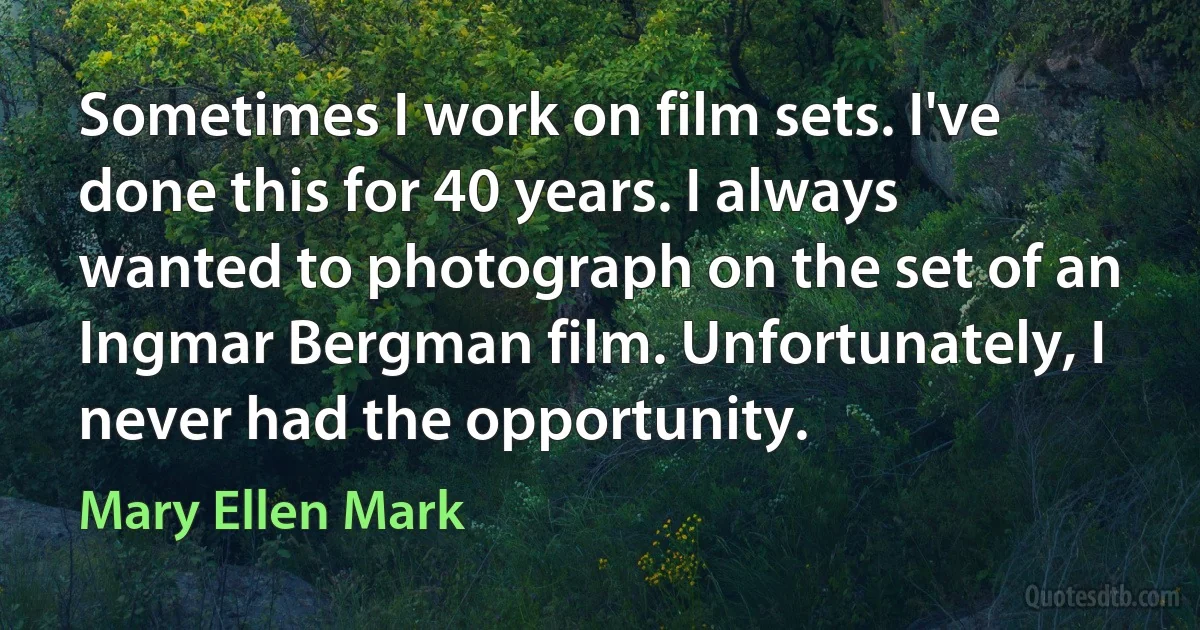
(926, 494)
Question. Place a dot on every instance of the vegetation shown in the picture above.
(924, 492)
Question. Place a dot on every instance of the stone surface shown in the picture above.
(248, 597)
(225, 596)
(1061, 91)
(37, 526)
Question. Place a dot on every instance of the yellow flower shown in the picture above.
(674, 555)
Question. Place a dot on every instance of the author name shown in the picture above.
(254, 509)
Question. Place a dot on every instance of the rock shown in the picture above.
(36, 527)
(225, 596)
(235, 597)
(1061, 92)
(1070, 75)
(931, 153)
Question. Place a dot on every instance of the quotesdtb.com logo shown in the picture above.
(1038, 597)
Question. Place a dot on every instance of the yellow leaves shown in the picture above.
(201, 28)
(103, 58)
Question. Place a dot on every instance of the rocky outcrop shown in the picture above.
(236, 597)
(36, 527)
(1060, 92)
(225, 596)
